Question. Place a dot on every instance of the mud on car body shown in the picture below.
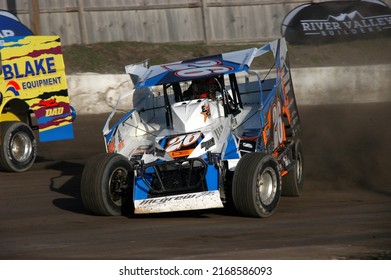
(236, 143)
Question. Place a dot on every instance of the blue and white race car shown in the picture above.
(204, 133)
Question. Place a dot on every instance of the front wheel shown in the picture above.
(18, 146)
(256, 186)
(105, 184)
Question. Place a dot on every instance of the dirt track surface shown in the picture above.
(345, 210)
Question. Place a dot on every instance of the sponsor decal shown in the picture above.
(47, 117)
(54, 111)
(13, 87)
(205, 111)
(112, 146)
(163, 200)
(218, 131)
(208, 144)
(336, 21)
(41, 83)
(189, 201)
(30, 68)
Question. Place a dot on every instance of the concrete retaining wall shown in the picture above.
(97, 93)
(92, 93)
(336, 85)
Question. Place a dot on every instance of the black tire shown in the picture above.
(106, 183)
(18, 148)
(292, 183)
(228, 202)
(256, 186)
(287, 126)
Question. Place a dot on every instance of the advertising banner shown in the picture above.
(11, 26)
(337, 21)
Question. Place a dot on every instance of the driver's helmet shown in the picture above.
(204, 88)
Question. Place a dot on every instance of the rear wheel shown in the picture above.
(292, 183)
(256, 186)
(105, 185)
(18, 147)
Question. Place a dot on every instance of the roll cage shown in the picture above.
(231, 99)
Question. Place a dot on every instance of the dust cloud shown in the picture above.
(348, 145)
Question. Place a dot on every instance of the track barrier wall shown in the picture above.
(93, 93)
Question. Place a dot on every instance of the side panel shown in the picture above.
(286, 91)
(33, 71)
(280, 110)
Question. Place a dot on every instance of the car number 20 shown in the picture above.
(178, 142)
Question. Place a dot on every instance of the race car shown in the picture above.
(33, 94)
(204, 133)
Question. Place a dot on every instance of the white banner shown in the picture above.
(195, 269)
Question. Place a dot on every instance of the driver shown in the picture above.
(199, 89)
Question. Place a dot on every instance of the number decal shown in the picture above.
(198, 68)
(278, 129)
(180, 141)
(190, 139)
(175, 143)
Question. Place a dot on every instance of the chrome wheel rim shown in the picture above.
(267, 186)
(21, 147)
